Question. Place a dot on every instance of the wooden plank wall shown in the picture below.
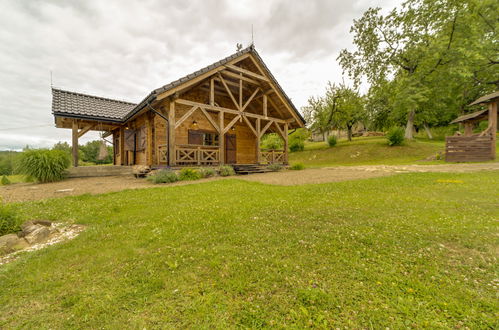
(469, 148)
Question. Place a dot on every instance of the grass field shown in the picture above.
(367, 151)
(411, 250)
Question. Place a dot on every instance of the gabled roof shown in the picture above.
(474, 115)
(71, 104)
(117, 108)
(486, 98)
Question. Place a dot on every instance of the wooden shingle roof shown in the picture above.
(486, 98)
(474, 115)
(78, 105)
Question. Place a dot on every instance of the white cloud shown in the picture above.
(125, 49)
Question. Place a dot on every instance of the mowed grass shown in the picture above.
(367, 151)
(410, 250)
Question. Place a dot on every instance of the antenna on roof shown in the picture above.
(252, 39)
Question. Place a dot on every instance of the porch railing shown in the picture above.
(198, 155)
(272, 156)
(163, 153)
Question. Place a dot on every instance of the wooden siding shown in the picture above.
(469, 148)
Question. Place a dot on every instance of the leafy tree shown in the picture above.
(90, 153)
(438, 54)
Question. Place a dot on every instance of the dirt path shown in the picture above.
(31, 191)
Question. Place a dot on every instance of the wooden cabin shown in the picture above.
(216, 115)
(469, 147)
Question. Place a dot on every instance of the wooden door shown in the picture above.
(230, 149)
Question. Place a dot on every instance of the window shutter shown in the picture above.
(141, 139)
(129, 139)
(195, 137)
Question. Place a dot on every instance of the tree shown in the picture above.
(420, 46)
(90, 153)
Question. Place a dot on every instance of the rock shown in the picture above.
(45, 223)
(64, 190)
(10, 243)
(140, 170)
(39, 235)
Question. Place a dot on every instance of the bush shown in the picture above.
(8, 219)
(226, 170)
(296, 145)
(331, 140)
(163, 176)
(275, 167)
(297, 167)
(272, 141)
(207, 172)
(44, 165)
(5, 180)
(395, 136)
(187, 174)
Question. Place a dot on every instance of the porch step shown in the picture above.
(250, 168)
(99, 170)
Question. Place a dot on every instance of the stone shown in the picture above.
(45, 223)
(10, 243)
(39, 235)
(140, 170)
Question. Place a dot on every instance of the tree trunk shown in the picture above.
(428, 132)
(410, 125)
(349, 130)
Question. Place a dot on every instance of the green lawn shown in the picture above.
(411, 250)
(367, 151)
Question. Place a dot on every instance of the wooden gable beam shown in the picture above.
(187, 115)
(84, 130)
(250, 125)
(235, 75)
(280, 131)
(265, 128)
(250, 98)
(229, 126)
(247, 72)
(228, 91)
(210, 119)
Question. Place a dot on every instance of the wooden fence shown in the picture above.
(469, 148)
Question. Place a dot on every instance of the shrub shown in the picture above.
(5, 180)
(272, 141)
(331, 140)
(8, 219)
(44, 165)
(297, 167)
(187, 174)
(275, 167)
(226, 170)
(207, 172)
(163, 176)
(395, 136)
(296, 145)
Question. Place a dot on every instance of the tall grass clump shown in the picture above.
(44, 165)
(188, 174)
(8, 219)
(163, 176)
(331, 140)
(226, 170)
(296, 145)
(5, 180)
(297, 167)
(395, 136)
(275, 167)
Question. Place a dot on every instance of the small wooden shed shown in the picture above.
(475, 147)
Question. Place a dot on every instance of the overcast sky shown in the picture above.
(124, 49)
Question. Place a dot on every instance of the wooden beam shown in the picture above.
(186, 115)
(84, 130)
(247, 72)
(266, 127)
(493, 126)
(280, 131)
(210, 119)
(233, 121)
(212, 91)
(286, 152)
(227, 110)
(122, 145)
(228, 91)
(250, 125)
(265, 105)
(75, 143)
(241, 93)
(221, 138)
(235, 75)
(250, 99)
(149, 141)
(171, 134)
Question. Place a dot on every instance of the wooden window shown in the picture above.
(129, 139)
(205, 138)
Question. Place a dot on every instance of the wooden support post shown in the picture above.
(75, 143)
(171, 134)
(240, 93)
(150, 140)
(212, 91)
(493, 127)
(286, 143)
(265, 106)
(221, 138)
(468, 128)
(258, 125)
(122, 145)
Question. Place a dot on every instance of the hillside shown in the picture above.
(366, 151)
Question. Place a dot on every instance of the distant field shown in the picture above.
(406, 251)
(367, 151)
